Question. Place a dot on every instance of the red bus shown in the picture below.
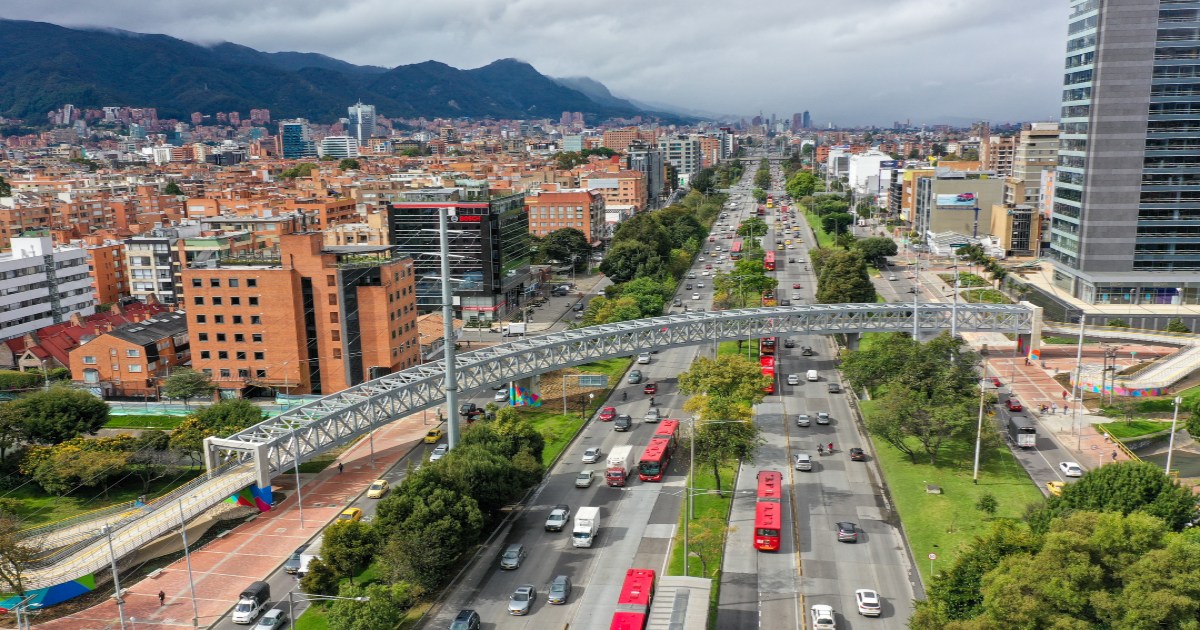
(657, 457)
(768, 512)
(768, 369)
(762, 212)
(735, 252)
(633, 605)
(766, 345)
(768, 299)
(769, 261)
(666, 431)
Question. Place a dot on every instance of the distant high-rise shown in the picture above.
(1126, 199)
(806, 120)
(339, 147)
(797, 122)
(260, 116)
(296, 139)
(362, 122)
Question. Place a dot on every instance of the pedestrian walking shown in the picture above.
(1064, 395)
(162, 598)
(1066, 409)
(340, 467)
(1114, 456)
(1054, 407)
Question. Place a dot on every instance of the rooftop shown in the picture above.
(151, 330)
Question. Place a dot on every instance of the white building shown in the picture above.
(339, 147)
(41, 284)
(863, 171)
(682, 152)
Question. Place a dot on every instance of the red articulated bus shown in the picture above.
(735, 252)
(667, 430)
(657, 456)
(769, 261)
(769, 299)
(633, 605)
(768, 512)
(766, 346)
(768, 369)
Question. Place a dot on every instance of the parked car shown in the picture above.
(868, 602)
(522, 600)
(512, 556)
(559, 517)
(847, 532)
(560, 590)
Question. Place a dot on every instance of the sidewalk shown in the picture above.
(252, 550)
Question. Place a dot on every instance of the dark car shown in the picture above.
(470, 410)
(622, 423)
(466, 619)
(789, 343)
(650, 388)
(806, 351)
(857, 455)
(834, 388)
(292, 565)
(847, 532)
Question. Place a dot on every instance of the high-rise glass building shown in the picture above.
(1125, 225)
(362, 122)
(296, 139)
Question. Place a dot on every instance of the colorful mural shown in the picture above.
(253, 496)
(1124, 391)
(49, 596)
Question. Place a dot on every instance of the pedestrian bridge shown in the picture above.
(251, 458)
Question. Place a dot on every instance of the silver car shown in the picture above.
(522, 600)
(512, 557)
(560, 590)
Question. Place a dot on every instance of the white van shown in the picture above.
(812, 375)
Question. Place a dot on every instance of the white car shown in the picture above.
(501, 395)
(643, 358)
(868, 602)
(797, 296)
(892, 277)
(592, 455)
(1070, 469)
(704, 273)
(793, 379)
(439, 452)
(695, 296)
(584, 479)
(822, 617)
(699, 285)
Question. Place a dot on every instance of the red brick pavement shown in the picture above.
(252, 550)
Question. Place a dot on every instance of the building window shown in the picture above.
(337, 353)
(333, 299)
(235, 301)
(253, 301)
(333, 318)
(198, 300)
(217, 301)
(251, 282)
(214, 282)
(331, 281)
(221, 337)
(223, 355)
(225, 373)
(243, 373)
(197, 283)
(205, 354)
(240, 355)
(335, 335)
(260, 374)
(237, 319)
(218, 319)
(256, 320)
(239, 338)
(207, 372)
(133, 354)
(260, 356)
(202, 337)
(89, 360)
(201, 319)
(133, 367)
(233, 283)
(256, 337)
(91, 376)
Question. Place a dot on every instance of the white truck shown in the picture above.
(618, 466)
(512, 330)
(587, 525)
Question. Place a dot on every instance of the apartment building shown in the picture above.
(130, 361)
(316, 321)
(997, 153)
(153, 263)
(682, 152)
(106, 264)
(645, 159)
(41, 284)
(51, 346)
(324, 213)
(553, 208)
(624, 190)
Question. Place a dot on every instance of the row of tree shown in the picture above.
(762, 177)
(842, 276)
(440, 512)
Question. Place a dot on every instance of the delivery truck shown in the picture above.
(587, 526)
(618, 466)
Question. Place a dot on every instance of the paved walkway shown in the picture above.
(252, 550)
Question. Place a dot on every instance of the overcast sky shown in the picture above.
(848, 61)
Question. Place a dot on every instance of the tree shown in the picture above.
(349, 164)
(58, 414)
(348, 547)
(1123, 487)
(300, 170)
(703, 181)
(844, 279)
(220, 419)
(172, 188)
(759, 195)
(728, 376)
(370, 608)
(627, 260)
(569, 246)
(185, 384)
(753, 226)
(320, 578)
(836, 223)
(644, 228)
(427, 525)
(876, 249)
(987, 504)
(151, 458)
(718, 442)
(17, 554)
(802, 184)
(1177, 326)
(12, 427)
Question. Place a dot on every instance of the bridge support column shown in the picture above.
(1030, 343)
(852, 340)
(210, 456)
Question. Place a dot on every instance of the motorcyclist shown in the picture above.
(820, 450)
(831, 447)
(624, 396)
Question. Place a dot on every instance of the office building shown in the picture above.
(339, 147)
(647, 160)
(682, 152)
(42, 285)
(1125, 227)
(361, 125)
(316, 321)
(956, 201)
(489, 246)
(806, 121)
(295, 140)
(553, 208)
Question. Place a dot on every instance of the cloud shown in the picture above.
(849, 62)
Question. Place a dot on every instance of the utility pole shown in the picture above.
(448, 351)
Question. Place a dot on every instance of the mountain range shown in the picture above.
(45, 66)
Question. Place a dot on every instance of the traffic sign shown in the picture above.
(933, 556)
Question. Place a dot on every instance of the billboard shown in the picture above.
(886, 164)
(963, 201)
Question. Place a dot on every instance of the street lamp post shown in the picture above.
(1171, 444)
(1078, 384)
(296, 469)
(188, 557)
(112, 558)
(979, 422)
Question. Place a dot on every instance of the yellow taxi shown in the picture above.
(350, 515)
(1055, 487)
(434, 436)
(378, 489)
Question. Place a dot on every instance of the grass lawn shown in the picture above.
(823, 239)
(165, 423)
(985, 296)
(38, 508)
(733, 348)
(1124, 430)
(966, 280)
(558, 428)
(943, 523)
(706, 533)
(1060, 341)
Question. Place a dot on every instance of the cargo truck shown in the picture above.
(618, 466)
(587, 525)
(251, 603)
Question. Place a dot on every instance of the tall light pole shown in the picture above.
(296, 469)
(979, 422)
(451, 383)
(188, 557)
(1078, 384)
(1171, 445)
(916, 318)
(112, 558)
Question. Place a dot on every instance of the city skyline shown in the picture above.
(907, 60)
